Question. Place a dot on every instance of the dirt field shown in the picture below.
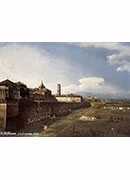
(77, 125)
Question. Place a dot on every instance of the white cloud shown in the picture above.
(95, 85)
(91, 82)
(31, 65)
(120, 58)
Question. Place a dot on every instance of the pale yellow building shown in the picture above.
(69, 98)
(4, 92)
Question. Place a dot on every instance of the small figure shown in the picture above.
(45, 127)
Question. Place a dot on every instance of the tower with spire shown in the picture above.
(42, 91)
(42, 85)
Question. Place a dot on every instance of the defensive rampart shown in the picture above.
(21, 114)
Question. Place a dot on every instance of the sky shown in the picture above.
(81, 68)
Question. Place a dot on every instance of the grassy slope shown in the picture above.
(71, 125)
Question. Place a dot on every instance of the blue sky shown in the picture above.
(84, 68)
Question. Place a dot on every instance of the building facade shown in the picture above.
(9, 90)
(43, 94)
(71, 98)
(4, 93)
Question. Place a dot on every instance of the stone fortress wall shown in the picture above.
(18, 115)
(9, 111)
(32, 112)
(3, 108)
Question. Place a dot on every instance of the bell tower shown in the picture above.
(59, 89)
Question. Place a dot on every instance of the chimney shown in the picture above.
(59, 89)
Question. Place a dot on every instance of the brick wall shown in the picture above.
(31, 112)
(12, 109)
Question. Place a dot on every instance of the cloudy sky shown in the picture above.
(86, 68)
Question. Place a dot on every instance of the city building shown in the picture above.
(24, 90)
(20, 105)
(68, 98)
(4, 93)
(58, 89)
(9, 90)
(117, 106)
(42, 93)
